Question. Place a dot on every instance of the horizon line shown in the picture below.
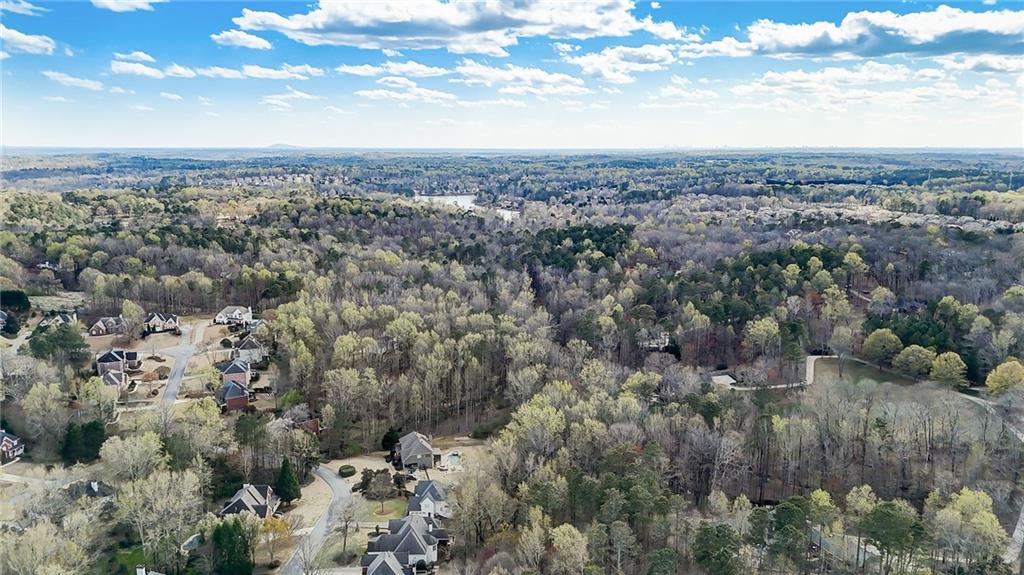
(5, 148)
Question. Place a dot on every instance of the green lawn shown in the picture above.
(393, 509)
(123, 561)
(826, 370)
(330, 553)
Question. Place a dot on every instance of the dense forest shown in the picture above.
(584, 336)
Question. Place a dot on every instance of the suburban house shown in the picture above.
(234, 315)
(413, 536)
(157, 322)
(59, 318)
(11, 446)
(386, 563)
(237, 371)
(250, 350)
(117, 360)
(115, 377)
(416, 451)
(111, 325)
(430, 500)
(233, 396)
(257, 499)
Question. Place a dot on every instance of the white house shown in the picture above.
(60, 318)
(111, 325)
(250, 350)
(157, 322)
(430, 500)
(234, 314)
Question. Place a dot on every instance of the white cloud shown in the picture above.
(678, 93)
(359, 70)
(409, 68)
(126, 5)
(874, 83)
(580, 105)
(65, 80)
(655, 5)
(929, 74)
(212, 114)
(219, 72)
(21, 7)
(942, 31)
(617, 64)
(506, 102)
(205, 101)
(285, 72)
(68, 51)
(135, 69)
(404, 90)
(177, 71)
(282, 101)
(460, 27)
(170, 96)
(520, 80)
(60, 99)
(241, 39)
(334, 110)
(120, 90)
(136, 56)
(142, 108)
(869, 72)
(15, 41)
(983, 63)
(727, 46)
(390, 53)
(4, 55)
(564, 48)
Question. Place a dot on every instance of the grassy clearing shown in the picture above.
(332, 553)
(123, 561)
(826, 370)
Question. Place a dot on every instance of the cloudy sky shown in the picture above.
(511, 74)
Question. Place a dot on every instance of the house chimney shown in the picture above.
(140, 570)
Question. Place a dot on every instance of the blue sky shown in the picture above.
(523, 74)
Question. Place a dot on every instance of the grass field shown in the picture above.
(123, 561)
(826, 370)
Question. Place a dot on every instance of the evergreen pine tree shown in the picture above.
(93, 435)
(287, 486)
(231, 550)
(71, 448)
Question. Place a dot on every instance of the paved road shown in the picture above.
(192, 334)
(340, 491)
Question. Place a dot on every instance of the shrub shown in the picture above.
(346, 471)
(226, 343)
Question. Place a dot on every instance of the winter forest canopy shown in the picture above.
(747, 362)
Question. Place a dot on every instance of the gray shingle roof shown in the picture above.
(235, 366)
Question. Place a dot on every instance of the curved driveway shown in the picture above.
(340, 491)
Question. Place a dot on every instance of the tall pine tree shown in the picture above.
(287, 486)
(231, 549)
